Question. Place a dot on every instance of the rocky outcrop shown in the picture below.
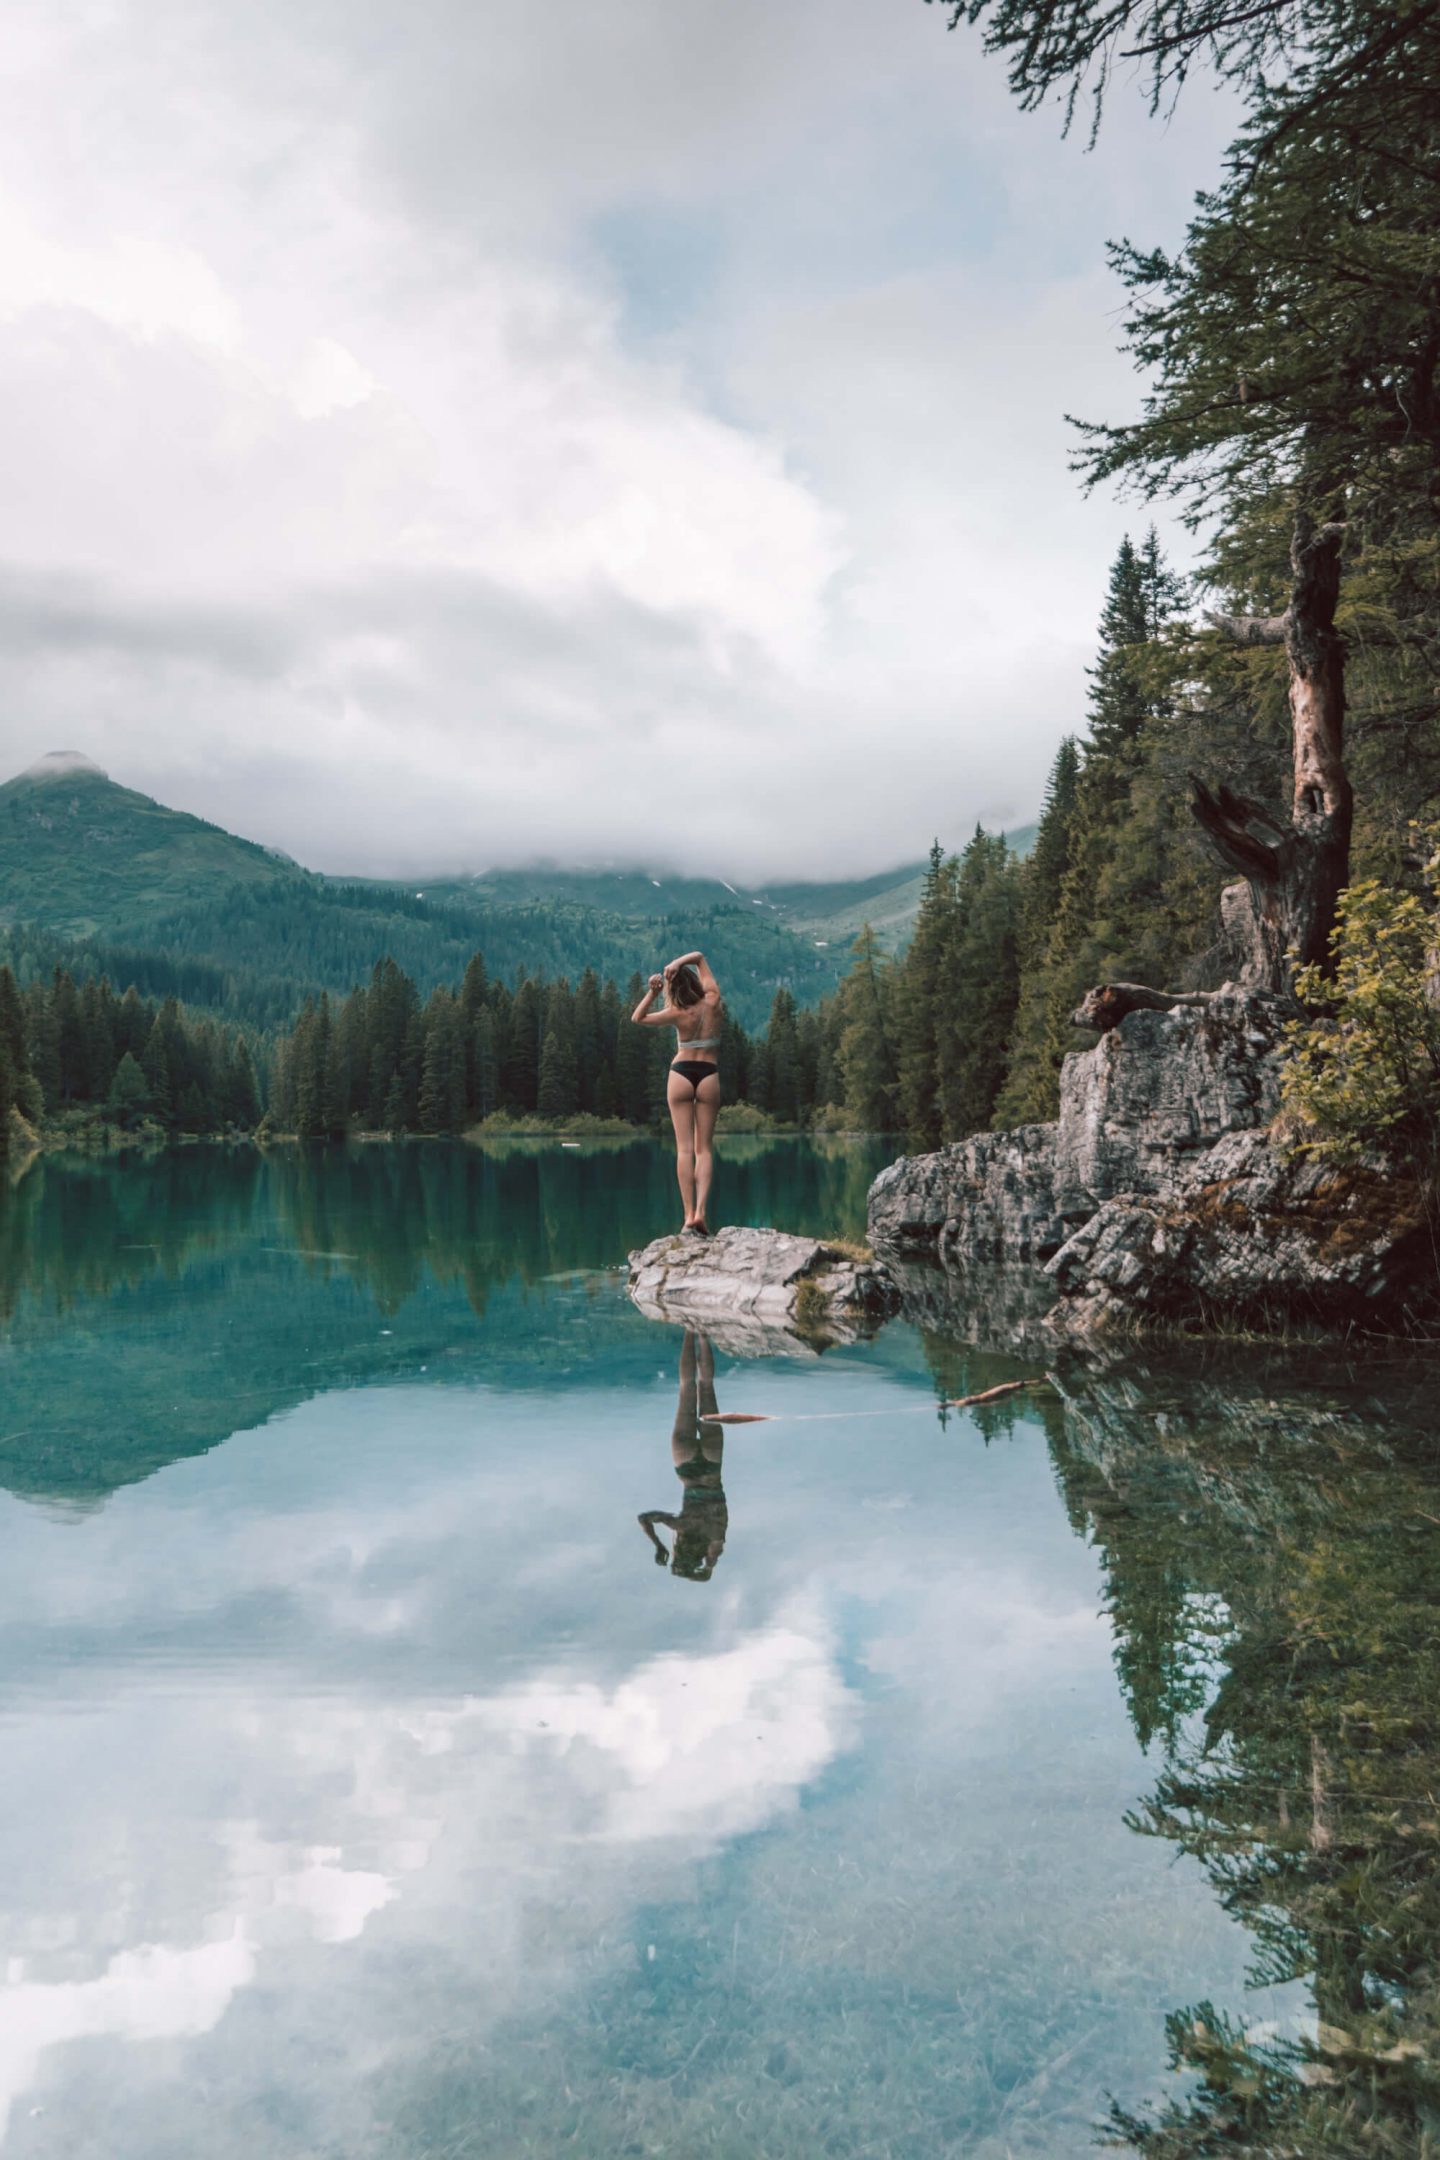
(995, 1193)
(1157, 1196)
(1250, 1235)
(742, 1286)
(1158, 1092)
(1135, 1112)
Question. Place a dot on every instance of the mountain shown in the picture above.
(101, 879)
(84, 857)
(825, 915)
(822, 915)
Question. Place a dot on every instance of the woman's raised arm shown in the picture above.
(642, 1015)
(702, 968)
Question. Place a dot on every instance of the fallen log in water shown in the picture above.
(840, 1417)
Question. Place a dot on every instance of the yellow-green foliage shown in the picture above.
(1364, 1072)
(743, 1117)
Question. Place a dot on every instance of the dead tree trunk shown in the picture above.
(1294, 874)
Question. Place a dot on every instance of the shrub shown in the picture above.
(742, 1117)
(1362, 1069)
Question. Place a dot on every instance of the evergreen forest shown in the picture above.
(1274, 718)
(1289, 354)
(74, 1056)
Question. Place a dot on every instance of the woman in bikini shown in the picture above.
(694, 1009)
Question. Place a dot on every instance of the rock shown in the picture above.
(1159, 1091)
(751, 1284)
(992, 1197)
(1157, 1195)
(1135, 1111)
(1252, 1237)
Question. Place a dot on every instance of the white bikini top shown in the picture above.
(697, 1042)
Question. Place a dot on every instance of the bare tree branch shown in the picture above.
(1250, 629)
(1107, 1005)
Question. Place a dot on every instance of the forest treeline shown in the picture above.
(385, 1060)
(1274, 720)
(251, 955)
(968, 1028)
(73, 1054)
(965, 1030)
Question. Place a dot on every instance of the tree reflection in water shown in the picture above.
(1273, 1575)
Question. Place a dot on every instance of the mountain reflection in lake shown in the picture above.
(368, 1793)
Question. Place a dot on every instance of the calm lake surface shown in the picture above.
(373, 1786)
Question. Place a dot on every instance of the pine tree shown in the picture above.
(632, 1060)
(129, 1094)
(783, 1068)
(587, 1036)
(486, 1067)
(309, 1048)
(21, 1090)
(918, 1003)
(155, 1064)
(1115, 828)
(441, 1107)
(243, 1090)
(43, 1041)
(981, 972)
(556, 1092)
(521, 1080)
(1143, 599)
(474, 996)
(866, 1051)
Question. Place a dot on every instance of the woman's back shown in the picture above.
(698, 1025)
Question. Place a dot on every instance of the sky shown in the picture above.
(451, 435)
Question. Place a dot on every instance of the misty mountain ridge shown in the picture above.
(86, 860)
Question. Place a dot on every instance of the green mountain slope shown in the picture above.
(101, 879)
(834, 915)
(83, 856)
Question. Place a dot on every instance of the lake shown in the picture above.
(918, 1782)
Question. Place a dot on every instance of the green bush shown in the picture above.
(1362, 1069)
(743, 1117)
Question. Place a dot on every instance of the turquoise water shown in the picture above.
(373, 1789)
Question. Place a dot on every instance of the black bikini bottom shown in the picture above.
(691, 1069)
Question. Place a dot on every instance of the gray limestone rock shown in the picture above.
(761, 1283)
(1158, 1197)
(1250, 1236)
(1161, 1089)
(1135, 1111)
(992, 1196)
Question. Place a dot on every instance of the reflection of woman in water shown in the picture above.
(699, 1529)
(694, 1009)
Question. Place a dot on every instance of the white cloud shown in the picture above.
(150, 1993)
(369, 488)
(678, 1756)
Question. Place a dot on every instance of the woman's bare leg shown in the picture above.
(707, 1109)
(712, 1437)
(681, 1098)
(684, 1437)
